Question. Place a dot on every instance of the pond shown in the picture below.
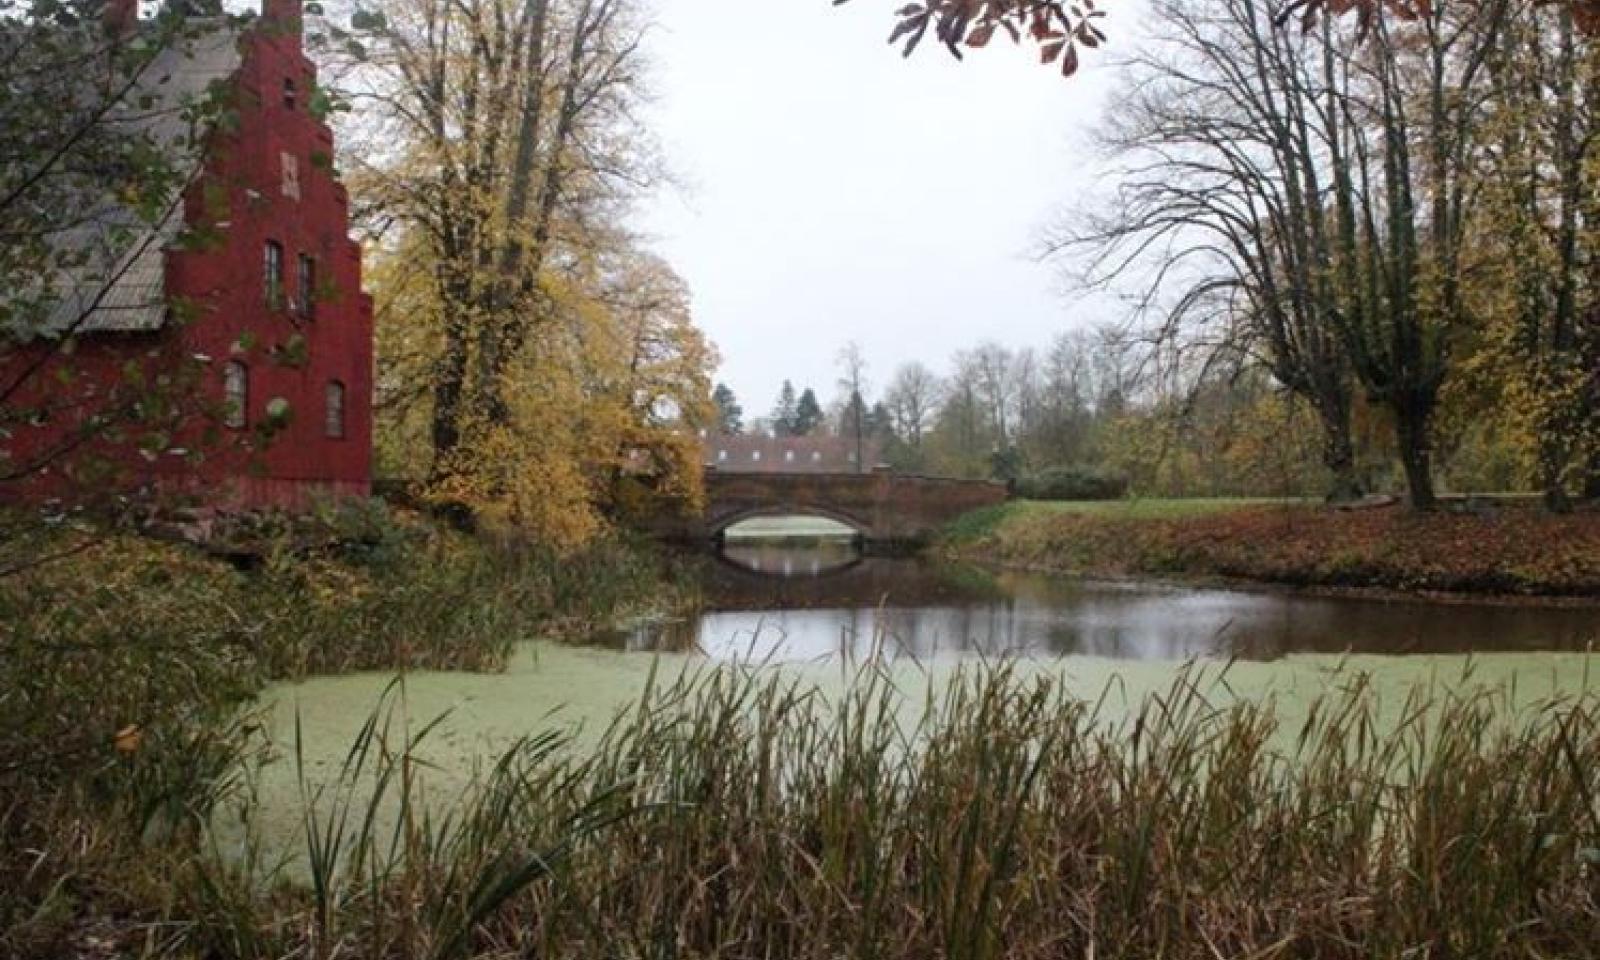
(794, 599)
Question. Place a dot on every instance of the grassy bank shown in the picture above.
(124, 668)
(1511, 550)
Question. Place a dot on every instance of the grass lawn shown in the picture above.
(1503, 548)
(1148, 508)
(984, 522)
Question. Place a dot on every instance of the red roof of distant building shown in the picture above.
(748, 453)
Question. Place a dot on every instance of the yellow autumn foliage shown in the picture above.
(606, 401)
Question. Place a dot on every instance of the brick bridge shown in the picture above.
(881, 506)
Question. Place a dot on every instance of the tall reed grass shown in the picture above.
(744, 814)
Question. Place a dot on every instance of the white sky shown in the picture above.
(834, 191)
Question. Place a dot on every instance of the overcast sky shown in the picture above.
(835, 191)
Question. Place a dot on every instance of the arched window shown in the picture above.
(333, 415)
(236, 394)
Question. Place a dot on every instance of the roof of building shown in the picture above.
(117, 278)
(759, 453)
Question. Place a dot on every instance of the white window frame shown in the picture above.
(272, 274)
(236, 395)
(335, 409)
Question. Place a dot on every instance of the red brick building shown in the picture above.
(244, 304)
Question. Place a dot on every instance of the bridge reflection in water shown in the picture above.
(823, 558)
(820, 597)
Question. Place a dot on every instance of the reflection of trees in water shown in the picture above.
(799, 602)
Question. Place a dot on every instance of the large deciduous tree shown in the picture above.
(1222, 206)
(1318, 184)
(504, 153)
(1536, 235)
(504, 141)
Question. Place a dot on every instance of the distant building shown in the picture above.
(749, 453)
(274, 325)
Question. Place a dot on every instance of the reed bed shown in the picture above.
(744, 814)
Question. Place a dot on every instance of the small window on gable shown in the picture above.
(235, 394)
(291, 174)
(722, 456)
(755, 455)
(272, 269)
(788, 456)
(333, 414)
(290, 99)
(305, 282)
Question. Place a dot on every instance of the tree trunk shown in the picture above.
(1591, 483)
(448, 389)
(1411, 429)
(503, 337)
(1338, 456)
(1554, 452)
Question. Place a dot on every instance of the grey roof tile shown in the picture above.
(119, 284)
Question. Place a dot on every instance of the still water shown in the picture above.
(795, 600)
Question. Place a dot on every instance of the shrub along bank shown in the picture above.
(1507, 549)
(1073, 483)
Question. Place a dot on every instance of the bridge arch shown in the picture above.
(719, 524)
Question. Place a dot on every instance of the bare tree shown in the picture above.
(1401, 157)
(853, 382)
(1222, 199)
(997, 385)
(1308, 191)
(912, 398)
(1065, 403)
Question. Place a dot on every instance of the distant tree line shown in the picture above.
(1101, 412)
